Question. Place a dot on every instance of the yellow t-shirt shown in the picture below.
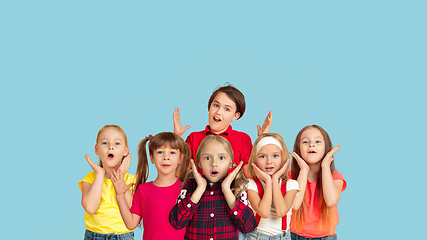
(107, 218)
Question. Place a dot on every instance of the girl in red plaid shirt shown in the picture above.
(213, 203)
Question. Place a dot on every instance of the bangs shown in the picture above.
(166, 139)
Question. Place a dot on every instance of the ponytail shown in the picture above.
(142, 169)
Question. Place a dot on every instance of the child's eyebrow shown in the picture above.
(216, 101)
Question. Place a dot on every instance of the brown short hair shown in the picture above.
(234, 94)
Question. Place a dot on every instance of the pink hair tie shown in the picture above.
(150, 137)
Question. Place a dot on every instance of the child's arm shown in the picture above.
(131, 220)
(302, 180)
(177, 127)
(266, 125)
(331, 188)
(261, 206)
(182, 213)
(282, 203)
(201, 184)
(225, 186)
(124, 167)
(91, 193)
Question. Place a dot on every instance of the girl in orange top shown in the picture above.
(315, 212)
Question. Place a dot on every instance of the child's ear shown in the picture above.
(126, 150)
(151, 159)
(236, 116)
(96, 149)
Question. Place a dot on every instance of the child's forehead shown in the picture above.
(111, 133)
(312, 132)
(214, 146)
(167, 146)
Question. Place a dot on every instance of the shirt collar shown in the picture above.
(214, 186)
(225, 133)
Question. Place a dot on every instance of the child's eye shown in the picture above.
(173, 152)
(227, 109)
(216, 105)
(117, 143)
(159, 152)
(104, 143)
(221, 158)
(318, 141)
(304, 142)
(261, 156)
(276, 155)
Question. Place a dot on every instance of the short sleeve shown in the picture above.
(136, 202)
(338, 176)
(89, 178)
(292, 185)
(252, 185)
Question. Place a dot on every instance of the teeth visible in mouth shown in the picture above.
(216, 119)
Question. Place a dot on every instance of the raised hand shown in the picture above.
(281, 171)
(95, 167)
(124, 167)
(177, 127)
(301, 163)
(229, 179)
(329, 158)
(266, 125)
(119, 183)
(261, 175)
(197, 176)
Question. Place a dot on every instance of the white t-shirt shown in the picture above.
(273, 224)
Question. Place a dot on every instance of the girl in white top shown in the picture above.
(270, 192)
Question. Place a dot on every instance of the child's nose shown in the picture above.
(110, 147)
(214, 163)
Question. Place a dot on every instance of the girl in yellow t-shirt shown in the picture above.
(315, 212)
(102, 218)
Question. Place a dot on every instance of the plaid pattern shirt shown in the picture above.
(211, 218)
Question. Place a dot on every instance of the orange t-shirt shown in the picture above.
(310, 227)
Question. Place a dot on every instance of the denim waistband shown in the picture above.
(295, 236)
(89, 235)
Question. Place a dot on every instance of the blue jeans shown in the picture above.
(255, 235)
(89, 235)
(242, 236)
(298, 237)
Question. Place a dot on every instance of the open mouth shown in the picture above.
(214, 173)
(216, 119)
(269, 169)
(311, 151)
(110, 156)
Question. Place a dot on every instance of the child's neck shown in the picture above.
(164, 180)
(313, 173)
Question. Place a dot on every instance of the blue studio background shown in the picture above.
(357, 68)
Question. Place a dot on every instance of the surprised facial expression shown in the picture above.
(215, 161)
(221, 113)
(111, 148)
(312, 146)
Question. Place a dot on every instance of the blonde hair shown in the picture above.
(239, 183)
(285, 154)
(116, 127)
